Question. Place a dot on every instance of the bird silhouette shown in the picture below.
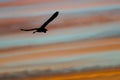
(42, 28)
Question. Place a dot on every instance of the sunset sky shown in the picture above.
(86, 33)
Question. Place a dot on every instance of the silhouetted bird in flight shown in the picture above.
(42, 28)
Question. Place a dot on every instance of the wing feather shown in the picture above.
(50, 19)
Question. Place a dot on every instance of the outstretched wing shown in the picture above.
(28, 29)
(50, 19)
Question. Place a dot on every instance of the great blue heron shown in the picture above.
(42, 28)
